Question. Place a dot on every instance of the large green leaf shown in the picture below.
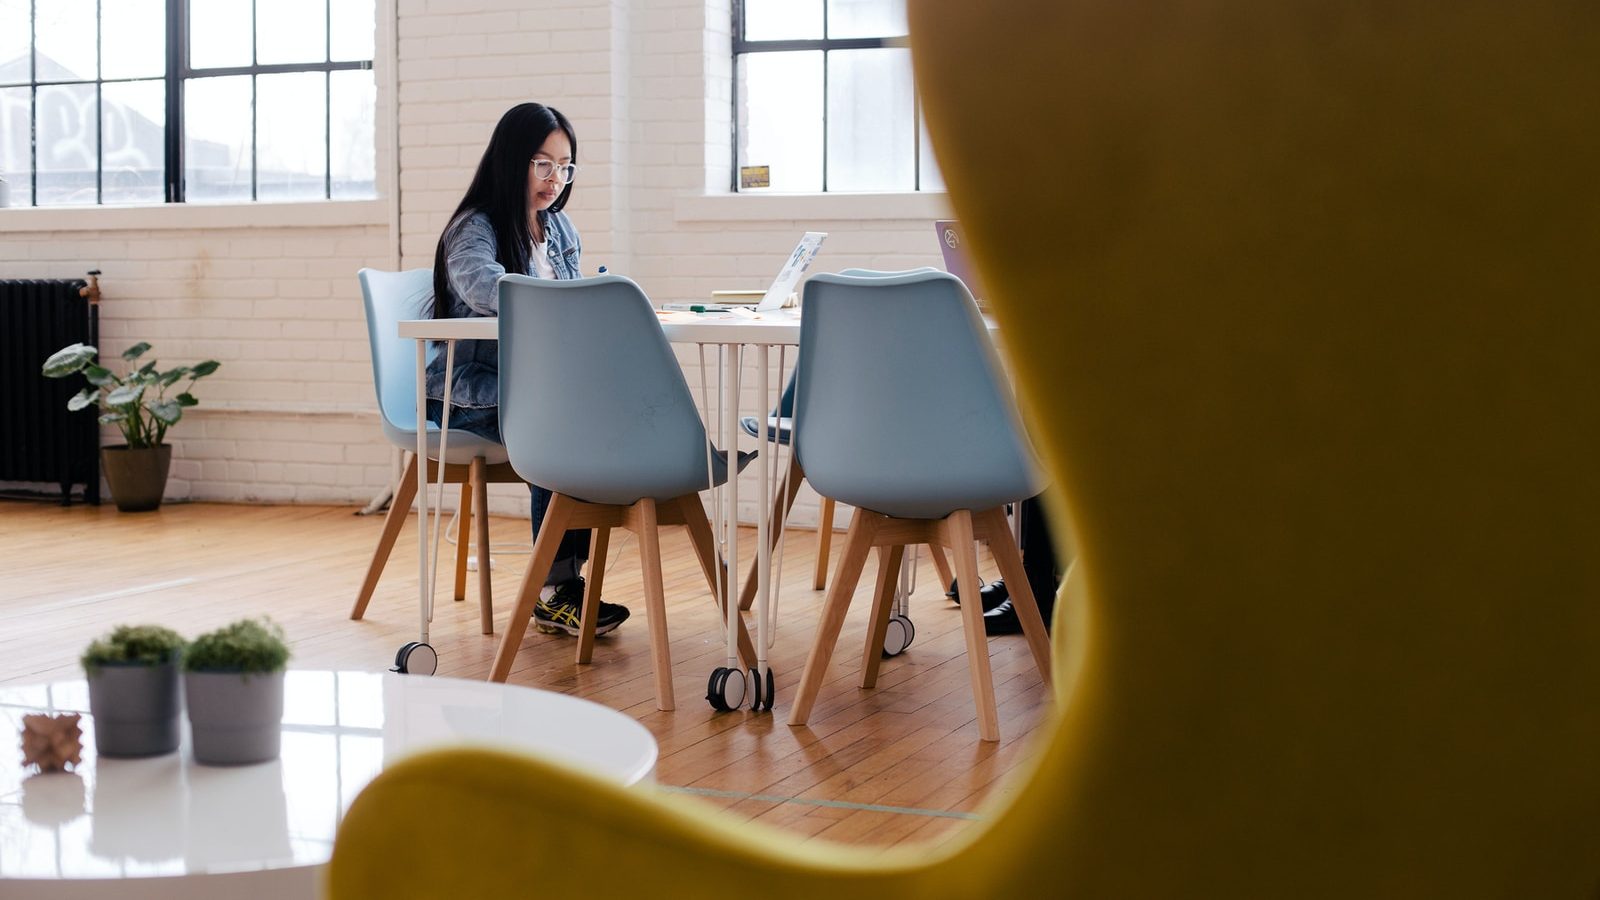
(171, 376)
(83, 399)
(136, 351)
(187, 399)
(201, 370)
(67, 360)
(125, 395)
(168, 412)
(113, 416)
(147, 372)
(100, 376)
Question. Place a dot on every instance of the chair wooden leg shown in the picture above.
(399, 509)
(655, 602)
(544, 556)
(856, 545)
(782, 502)
(889, 559)
(601, 539)
(824, 539)
(1009, 560)
(960, 523)
(942, 566)
(480, 502)
(705, 550)
(463, 535)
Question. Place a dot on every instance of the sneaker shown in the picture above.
(562, 611)
(990, 595)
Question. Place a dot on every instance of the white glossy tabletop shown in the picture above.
(167, 816)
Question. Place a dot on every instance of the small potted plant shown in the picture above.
(233, 679)
(133, 690)
(137, 404)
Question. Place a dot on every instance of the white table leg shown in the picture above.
(730, 428)
(763, 526)
(422, 489)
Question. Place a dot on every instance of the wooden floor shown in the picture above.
(901, 762)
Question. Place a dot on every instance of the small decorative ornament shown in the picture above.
(53, 743)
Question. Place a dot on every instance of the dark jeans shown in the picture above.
(1039, 555)
(484, 422)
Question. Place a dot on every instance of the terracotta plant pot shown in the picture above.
(137, 475)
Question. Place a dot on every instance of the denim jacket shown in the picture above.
(473, 272)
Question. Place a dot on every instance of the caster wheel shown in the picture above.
(898, 636)
(762, 691)
(725, 689)
(416, 658)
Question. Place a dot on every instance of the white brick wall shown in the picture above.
(271, 291)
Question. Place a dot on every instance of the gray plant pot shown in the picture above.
(235, 719)
(135, 709)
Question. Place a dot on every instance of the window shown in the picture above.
(823, 98)
(144, 101)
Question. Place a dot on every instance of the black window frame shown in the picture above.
(742, 46)
(177, 74)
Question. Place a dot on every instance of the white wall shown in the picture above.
(271, 291)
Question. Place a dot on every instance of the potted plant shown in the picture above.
(233, 680)
(136, 403)
(133, 690)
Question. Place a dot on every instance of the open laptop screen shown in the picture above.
(793, 268)
(953, 245)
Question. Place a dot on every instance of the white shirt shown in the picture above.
(542, 266)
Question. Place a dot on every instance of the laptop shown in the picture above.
(793, 269)
(953, 245)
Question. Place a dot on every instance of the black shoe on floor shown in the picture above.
(563, 612)
(1003, 620)
(990, 595)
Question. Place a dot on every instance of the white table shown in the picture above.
(165, 827)
(731, 334)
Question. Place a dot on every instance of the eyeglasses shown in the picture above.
(544, 170)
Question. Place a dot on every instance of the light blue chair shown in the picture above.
(780, 423)
(904, 415)
(594, 407)
(471, 461)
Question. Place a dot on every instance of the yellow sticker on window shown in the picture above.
(755, 176)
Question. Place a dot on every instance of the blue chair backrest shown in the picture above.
(390, 298)
(901, 407)
(593, 403)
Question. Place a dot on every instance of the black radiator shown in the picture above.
(39, 439)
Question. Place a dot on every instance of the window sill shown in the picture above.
(180, 216)
(748, 207)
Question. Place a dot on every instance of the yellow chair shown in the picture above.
(1301, 299)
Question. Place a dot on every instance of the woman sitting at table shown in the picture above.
(511, 221)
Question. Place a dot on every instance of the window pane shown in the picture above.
(781, 20)
(871, 121)
(133, 38)
(352, 150)
(219, 34)
(216, 143)
(65, 50)
(13, 41)
(291, 31)
(68, 133)
(780, 117)
(16, 163)
(290, 137)
(354, 28)
(866, 18)
(931, 179)
(133, 157)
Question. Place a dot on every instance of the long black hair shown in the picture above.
(500, 189)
